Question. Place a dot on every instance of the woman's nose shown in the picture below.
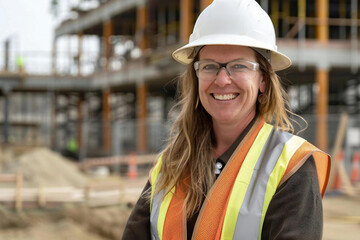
(222, 78)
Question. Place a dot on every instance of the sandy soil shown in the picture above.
(341, 213)
(72, 223)
(341, 217)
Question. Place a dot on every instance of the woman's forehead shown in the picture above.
(223, 53)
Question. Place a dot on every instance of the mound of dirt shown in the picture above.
(50, 169)
(10, 220)
(108, 222)
(38, 225)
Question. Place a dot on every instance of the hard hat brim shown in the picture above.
(185, 54)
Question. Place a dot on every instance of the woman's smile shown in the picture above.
(225, 97)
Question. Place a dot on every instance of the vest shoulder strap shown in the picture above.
(322, 163)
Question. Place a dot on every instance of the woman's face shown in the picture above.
(230, 100)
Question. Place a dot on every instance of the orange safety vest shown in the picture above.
(236, 205)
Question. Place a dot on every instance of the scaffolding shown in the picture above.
(120, 49)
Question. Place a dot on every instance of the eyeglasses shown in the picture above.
(207, 70)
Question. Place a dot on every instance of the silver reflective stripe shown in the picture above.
(249, 218)
(154, 215)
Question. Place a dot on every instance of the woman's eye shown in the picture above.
(210, 67)
(238, 66)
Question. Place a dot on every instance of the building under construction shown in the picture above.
(113, 87)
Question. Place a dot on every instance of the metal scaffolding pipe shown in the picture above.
(342, 14)
(141, 22)
(6, 93)
(354, 35)
(80, 50)
(141, 99)
(275, 14)
(205, 3)
(106, 111)
(186, 19)
(107, 33)
(301, 32)
(322, 12)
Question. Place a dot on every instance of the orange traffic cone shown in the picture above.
(132, 170)
(355, 167)
(337, 182)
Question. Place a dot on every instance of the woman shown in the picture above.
(227, 173)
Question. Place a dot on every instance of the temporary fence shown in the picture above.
(91, 195)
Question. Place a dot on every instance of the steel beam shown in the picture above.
(101, 14)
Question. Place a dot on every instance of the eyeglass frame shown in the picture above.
(256, 66)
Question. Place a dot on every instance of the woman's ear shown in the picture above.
(262, 86)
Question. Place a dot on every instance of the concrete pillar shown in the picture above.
(186, 19)
(107, 33)
(322, 77)
(106, 112)
(141, 96)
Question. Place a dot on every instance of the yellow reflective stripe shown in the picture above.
(166, 201)
(163, 210)
(242, 182)
(288, 151)
(154, 176)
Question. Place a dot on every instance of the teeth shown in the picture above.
(225, 96)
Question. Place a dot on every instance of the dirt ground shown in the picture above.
(75, 221)
(78, 223)
(341, 217)
(70, 222)
(341, 221)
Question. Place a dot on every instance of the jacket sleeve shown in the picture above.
(295, 212)
(138, 224)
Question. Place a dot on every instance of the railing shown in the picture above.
(41, 63)
(91, 195)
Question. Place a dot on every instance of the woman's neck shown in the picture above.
(226, 134)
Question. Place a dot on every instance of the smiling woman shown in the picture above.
(232, 168)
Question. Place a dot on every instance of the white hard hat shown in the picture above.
(234, 22)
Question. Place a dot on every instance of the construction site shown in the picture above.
(82, 125)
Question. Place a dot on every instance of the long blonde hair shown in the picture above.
(188, 160)
(275, 108)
